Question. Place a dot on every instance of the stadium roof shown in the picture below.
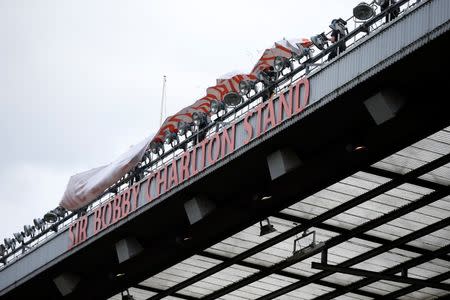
(371, 229)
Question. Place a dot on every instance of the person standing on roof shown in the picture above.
(339, 30)
(384, 5)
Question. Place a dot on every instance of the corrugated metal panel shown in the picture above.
(438, 12)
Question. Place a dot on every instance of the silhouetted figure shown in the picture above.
(393, 14)
(339, 30)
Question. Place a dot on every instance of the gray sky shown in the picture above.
(81, 80)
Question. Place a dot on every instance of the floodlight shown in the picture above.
(304, 52)
(266, 228)
(320, 41)
(199, 118)
(232, 99)
(127, 296)
(305, 243)
(157, 147)
(170, 137)
(184, 127)
(19, 237)
(280, 63)
(339, 25)
(217, 106)
(29, 230)
(39, 223)
(60, 212)
(50, 217)
(263, 77)
(363, 11)
(55, 214)
(245, 87)
(10, 243)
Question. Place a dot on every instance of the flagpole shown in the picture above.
(163, 96)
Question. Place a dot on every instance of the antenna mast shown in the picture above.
(163, 99)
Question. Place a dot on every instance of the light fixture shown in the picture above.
(39, 224)
(356, 147)
(184, 127)
(217, 107)
(280, 63)
(29, 230)
(171, 137)
(60, 211)
(266, 228)
(10, 243)
(246, 86)
(55, 214)
(127, 296)
(320, 41)
(304, 52)
(50, 217)
(232, 99)
(363, 11)
(157, 147)
(19, 236)
(339, 25)
(305, 243)
(199, 119)
(264, 78)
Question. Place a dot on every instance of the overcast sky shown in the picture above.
(81, 80)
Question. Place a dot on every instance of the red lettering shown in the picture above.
(194, 161)
(161, 181)
(227, 140)
(184, 166)
(97, 220)
(148, 190)
(203, 154)
(270, 116)
(173, 174)
(135, 189)
(285, 106)
(72, 235)
(300, 105)
(126, 205)
(105, 209)
(211, 159)
(248, 128)
(82, 229)
(258, 118)
(116, 209)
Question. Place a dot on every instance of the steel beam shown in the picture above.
(284, 273)
(378, 276)
(339, 239)
(155, 290)
(316, 220)
(393, 270)
(413, 288)
(363, 236)
(367, 255)
(391, 175)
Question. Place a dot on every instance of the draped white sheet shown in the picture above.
(83, 188)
